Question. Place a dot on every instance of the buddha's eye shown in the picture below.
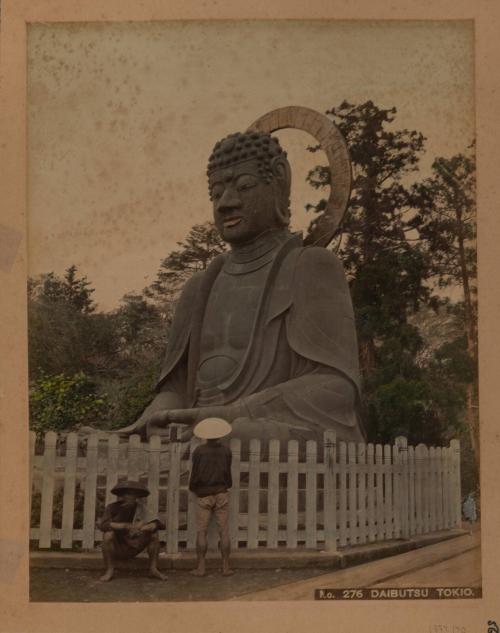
(246, 182)
(246, 186)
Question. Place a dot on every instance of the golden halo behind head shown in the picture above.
(212, 429)
(324, 227)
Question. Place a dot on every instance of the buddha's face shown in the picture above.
(243, 203)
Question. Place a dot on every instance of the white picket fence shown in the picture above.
(345, 495)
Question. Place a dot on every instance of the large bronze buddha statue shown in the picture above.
(265, 337)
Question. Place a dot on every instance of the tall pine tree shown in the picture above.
(446, 221)
(387, 270)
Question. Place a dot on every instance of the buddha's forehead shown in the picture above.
(232, 172)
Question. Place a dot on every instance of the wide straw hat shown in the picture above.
(133, 486)
(212, 429)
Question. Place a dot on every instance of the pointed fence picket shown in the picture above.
(404, 486)
(432, 489)
(418, 490)
(343, 495)
(292, 494)
(69, 491)
(352, 492)
(446, 488)
(379, 486)
(47, 501)
(426, 489)
(371, 489)
(362, 496)
(282, 496)
(411, 491)
(173, 497)
(439, 488)
(393, 471)
(154, 475)
(112, 466)
(253, 495)
(390, 468)
(330, 491)
(273, 494)
(234, 499)
(89, 507)
(311, 494)
(455, 484)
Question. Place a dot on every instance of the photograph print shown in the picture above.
(252, 311)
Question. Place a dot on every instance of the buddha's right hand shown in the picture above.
(138, 427)
(143, 426)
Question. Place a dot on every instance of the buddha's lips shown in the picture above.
(231, 222)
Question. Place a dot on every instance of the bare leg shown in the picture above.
(153, 553)
(201, 552)
(107, 554)
(222, 519)
(225, 550)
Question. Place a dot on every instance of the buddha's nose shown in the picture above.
(228, 201)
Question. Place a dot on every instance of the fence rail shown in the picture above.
(329, 495)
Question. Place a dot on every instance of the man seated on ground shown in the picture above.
(128, 529)
(210, 480)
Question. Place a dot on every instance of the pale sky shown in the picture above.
(122, 119)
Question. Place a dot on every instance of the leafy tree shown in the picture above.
(70, 289)
(66, 333)
(141, 334)
(446, 221)
(61, 402)
(72, 353)
(383, 261)
(139, 326)
(385, 265)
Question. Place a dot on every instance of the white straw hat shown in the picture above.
(212, 429)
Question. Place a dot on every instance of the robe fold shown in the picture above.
(299, 376)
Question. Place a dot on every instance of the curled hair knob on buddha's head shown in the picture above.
(272, 166)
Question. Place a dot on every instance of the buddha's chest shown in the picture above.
(229, 320)
(231, 311)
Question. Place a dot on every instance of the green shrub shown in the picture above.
(61, 403)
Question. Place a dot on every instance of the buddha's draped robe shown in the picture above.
(290, 359)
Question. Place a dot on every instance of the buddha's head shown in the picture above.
(249, 182)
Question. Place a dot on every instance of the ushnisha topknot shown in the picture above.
(242, 146)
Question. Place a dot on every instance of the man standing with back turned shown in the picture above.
(210, 480)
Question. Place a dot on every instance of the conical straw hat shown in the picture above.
(212, 428)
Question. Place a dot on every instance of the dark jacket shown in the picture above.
(211, 471)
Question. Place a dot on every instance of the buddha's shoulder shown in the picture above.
(189, 291)
(314, 260)
(193, 284)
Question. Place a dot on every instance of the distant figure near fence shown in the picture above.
(210, 480)
(469, 511)
(128, 529)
